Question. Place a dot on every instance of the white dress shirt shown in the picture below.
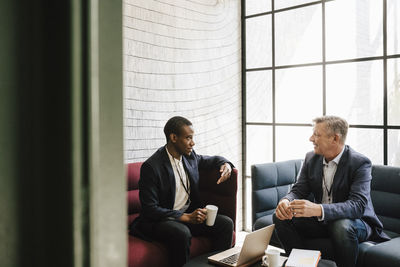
(327, 180)
(181, 196)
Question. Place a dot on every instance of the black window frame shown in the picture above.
(385, 127)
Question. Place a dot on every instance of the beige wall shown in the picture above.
(183, 58)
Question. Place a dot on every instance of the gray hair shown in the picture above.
(334, 125)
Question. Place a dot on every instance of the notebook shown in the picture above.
(303, 258)
(253, 248)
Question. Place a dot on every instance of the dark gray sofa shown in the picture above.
(272, 181)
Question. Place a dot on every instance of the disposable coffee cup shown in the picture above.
(211, 214)
(271, 258)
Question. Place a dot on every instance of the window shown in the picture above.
(305, 59)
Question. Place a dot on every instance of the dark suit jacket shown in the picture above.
(157, 188)
(350, 191)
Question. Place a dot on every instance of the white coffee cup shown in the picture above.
(211, 214)
(271, 258)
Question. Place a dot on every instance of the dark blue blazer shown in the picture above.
(157, 188)
(350, 189)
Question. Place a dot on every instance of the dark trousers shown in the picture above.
(176, 236)
(345, 235)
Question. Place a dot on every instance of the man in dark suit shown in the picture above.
(172, 210)
(340, 179)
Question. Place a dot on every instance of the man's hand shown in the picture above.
(196, 217)
(283, 211)
(305, 208)
(225, 171)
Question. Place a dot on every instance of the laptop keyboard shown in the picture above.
(232, 259)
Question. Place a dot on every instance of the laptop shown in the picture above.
(253, 248)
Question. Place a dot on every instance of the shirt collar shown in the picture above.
(336, 159)
(171, 157)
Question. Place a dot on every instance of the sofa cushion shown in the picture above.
(386, 252)
(223, 195)
(144, 253)
(362, 249)
(271, 182)
(391, 234)
(263, 221)
(133, 175)
(265, 201)
(133, 202)
(385, 190)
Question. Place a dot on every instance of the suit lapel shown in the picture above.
(189, 169)
(339, 175)
(319, 176)
(171, 176)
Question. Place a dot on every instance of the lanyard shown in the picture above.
(326, 187)
(187, 186)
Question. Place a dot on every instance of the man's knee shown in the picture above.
(225, 222)
(342, 229)
(182, 234)
(177, 232)
(277, 221)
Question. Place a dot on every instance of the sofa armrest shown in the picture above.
(223, 195)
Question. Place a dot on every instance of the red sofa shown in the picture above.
(142, 253)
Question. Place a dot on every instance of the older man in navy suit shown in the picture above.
(340, 180)
(172, 210)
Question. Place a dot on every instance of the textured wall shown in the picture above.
(183, 57)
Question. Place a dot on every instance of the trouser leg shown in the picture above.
(292, 233)
(176, 237)
(346, 234)
(220, 232)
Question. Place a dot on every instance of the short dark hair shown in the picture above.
(174, 126)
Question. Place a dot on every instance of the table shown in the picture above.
(202, 261)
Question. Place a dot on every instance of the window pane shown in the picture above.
(393, 83)
(258, 42)
(298, 36)
(259, 145)
(394, 148)
(298, 94)
(249, 216)
(368, 142)
(259, 96)
(354, 91)
(288, 3)
(257, 6)
(292, 146)
(353, 29)
(393, 28)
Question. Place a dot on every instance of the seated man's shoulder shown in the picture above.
(154, 160)
(357, 158)
(312, 157)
